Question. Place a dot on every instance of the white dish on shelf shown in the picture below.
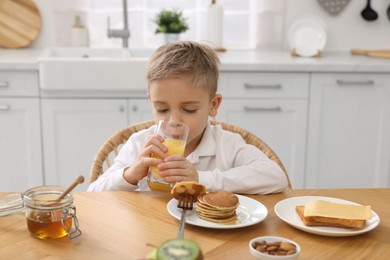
(307, 37)
(285, 210)
(249, 212)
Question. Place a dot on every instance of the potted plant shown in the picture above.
(171, 23)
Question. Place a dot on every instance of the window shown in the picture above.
(240, 20)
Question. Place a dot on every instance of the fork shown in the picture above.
(186, 201)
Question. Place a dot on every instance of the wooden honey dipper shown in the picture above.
(78, 180)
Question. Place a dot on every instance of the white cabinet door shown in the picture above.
(74, 130)
(349, 131)
(139, 110)
(279, 123)
(20, 144)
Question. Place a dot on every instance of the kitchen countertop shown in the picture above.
(239, 60)
(283, 61)
(19, 59)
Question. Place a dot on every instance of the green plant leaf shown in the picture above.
(170, 21)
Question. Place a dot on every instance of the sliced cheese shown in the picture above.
(320, 208)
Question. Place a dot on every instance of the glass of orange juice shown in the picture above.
(175, 137)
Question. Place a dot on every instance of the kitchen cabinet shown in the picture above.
(139, 109)
(20, 138)
(272, 106)
(73, 131)
(349, 130)
(327, 119)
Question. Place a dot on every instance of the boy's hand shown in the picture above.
(141, 165)
(177, 168)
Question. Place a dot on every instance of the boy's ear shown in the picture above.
(148, 94)
(215, 102)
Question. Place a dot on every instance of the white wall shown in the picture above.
(345, 31)
(348, 29)
(46, 37)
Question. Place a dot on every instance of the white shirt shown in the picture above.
(223, 160)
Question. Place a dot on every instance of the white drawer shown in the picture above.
(350, 80)
(264, 85)
(19, 83)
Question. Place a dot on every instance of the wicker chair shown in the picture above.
(111, 147)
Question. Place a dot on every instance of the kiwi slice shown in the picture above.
(179, 249)
(152, 255)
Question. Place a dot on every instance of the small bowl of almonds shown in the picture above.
(272, 247)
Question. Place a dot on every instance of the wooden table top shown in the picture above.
(120, 225)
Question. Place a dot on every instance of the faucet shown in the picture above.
(121, 33)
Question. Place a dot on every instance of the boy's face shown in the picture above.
(178, 99)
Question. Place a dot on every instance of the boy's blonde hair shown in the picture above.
(185, 57)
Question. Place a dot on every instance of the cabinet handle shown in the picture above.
(252, 86)
(265, 109)
(5, 107)
(4, 84)
(355, 82)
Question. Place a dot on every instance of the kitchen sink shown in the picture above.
(98, 53)
(93, 69)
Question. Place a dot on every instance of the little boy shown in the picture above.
(182, 86)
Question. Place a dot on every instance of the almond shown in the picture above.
(286, 246)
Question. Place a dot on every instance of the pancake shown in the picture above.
(221, 199)
(192, 188)
(226, 221)
(218, 206)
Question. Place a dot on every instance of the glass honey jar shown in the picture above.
(48, 217)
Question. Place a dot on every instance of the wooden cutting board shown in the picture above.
(385, 54)
(20, 23)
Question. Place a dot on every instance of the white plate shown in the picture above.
(285, 210)
(249, 212)
(307, 37)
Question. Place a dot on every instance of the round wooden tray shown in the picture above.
(20, 23)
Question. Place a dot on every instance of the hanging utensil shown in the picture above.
(368, 13)
(388, 12)
(333, 7)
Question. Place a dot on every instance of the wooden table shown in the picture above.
(120, 225)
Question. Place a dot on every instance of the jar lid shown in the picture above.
(11, 203)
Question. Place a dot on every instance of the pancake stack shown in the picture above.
(218, 206)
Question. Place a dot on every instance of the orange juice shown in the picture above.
(174, 147)
(159, 185)
(155, 182)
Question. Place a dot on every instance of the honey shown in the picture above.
(50, 229)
